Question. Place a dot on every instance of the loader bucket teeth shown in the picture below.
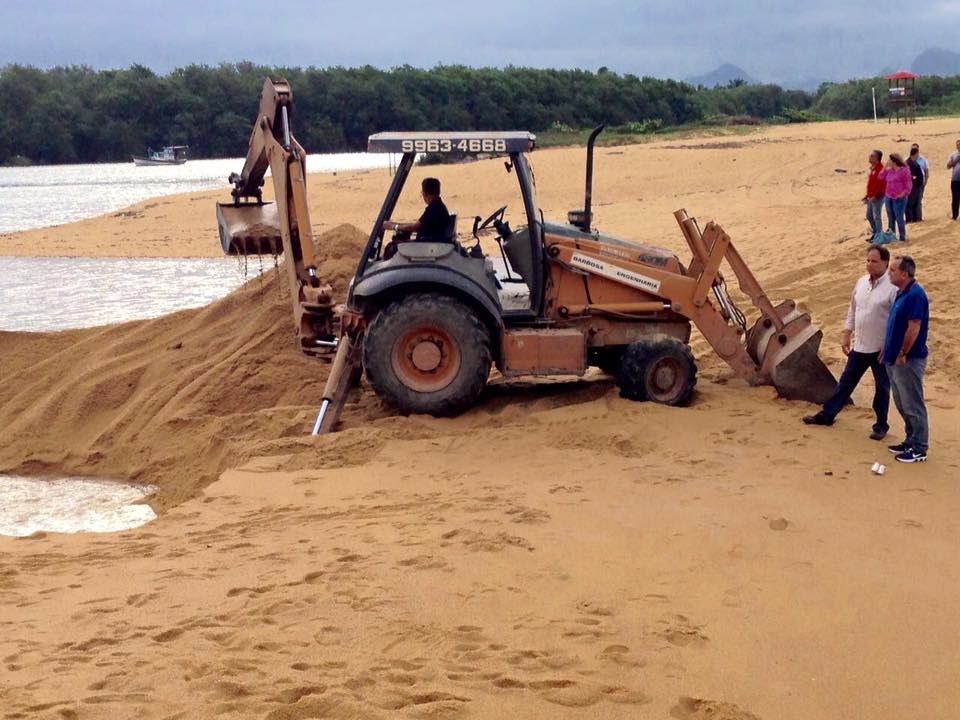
(798, 373)
(249, 229)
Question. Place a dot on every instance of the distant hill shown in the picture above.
(937, 61)
(721, 76)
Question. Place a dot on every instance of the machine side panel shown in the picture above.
(544, 352)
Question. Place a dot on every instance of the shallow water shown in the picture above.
(56, 194)
(70, 505)
(43, 294)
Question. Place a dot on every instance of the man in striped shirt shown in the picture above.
(865, 328)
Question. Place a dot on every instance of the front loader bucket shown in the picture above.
(789, 356)
(249, 229)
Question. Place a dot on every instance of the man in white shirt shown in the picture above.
(866, 326)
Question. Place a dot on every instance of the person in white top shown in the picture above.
(866, 325)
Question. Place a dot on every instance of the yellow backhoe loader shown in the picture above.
(427, 322)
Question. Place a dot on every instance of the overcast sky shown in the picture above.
(773, 41)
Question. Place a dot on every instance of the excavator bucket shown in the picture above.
(788, 356)
(249, 229)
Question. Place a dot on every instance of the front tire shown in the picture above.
(660, 369)
(427, 353)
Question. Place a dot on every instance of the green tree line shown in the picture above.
(77, 114)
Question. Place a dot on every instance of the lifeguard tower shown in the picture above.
(902, 96)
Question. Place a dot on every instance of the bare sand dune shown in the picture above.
(556, 552)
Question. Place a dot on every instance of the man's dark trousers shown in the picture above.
(857, 365)
(913, 204)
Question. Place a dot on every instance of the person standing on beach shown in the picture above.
(875, 194)
(866, 324)
(905, 356)
(899, 184)
(925, 166)
(916, 175)
(954, 164)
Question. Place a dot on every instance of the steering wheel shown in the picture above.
(496, 215)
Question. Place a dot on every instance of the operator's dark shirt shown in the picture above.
(433, 222)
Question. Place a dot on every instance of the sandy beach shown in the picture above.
(557, 551)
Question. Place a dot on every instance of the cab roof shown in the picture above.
(450, 142)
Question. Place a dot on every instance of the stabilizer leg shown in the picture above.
(344, 375)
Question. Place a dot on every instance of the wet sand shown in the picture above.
(558, 551)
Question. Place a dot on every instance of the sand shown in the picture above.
(556, 552)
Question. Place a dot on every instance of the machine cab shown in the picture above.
(500, 266)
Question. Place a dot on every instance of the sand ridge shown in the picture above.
(557, 551)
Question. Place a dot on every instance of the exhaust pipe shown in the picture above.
(583, 219)
(588, 190)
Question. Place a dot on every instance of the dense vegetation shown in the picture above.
(77, 114)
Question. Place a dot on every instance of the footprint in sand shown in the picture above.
(425, 562)
(528, 515)
(619, 654)
(688, 708)
(570, 489)
(571, 693)
(779, 524)
(590, 607)
(168, 635)
(678, 630)
(292, 696)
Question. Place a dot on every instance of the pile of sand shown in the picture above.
(170, 401)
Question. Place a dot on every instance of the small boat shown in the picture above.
(170, 155)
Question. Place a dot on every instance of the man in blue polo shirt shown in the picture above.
(905, 356)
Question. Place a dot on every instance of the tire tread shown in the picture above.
(633, 368)
(463, 392)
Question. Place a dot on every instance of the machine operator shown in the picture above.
(432, 225)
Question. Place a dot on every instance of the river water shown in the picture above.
(56, 194)
(43, 294)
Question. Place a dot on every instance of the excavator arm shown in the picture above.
(250, 226)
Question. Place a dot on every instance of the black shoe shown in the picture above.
(878, 434)
(911, 456)
(898, 448)
(818, 419)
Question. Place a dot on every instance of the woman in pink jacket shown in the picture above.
(899, 182)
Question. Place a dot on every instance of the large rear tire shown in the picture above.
(660, 369)
(427, 353)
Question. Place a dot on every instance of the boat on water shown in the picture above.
(170, 155)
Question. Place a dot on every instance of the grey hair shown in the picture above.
(907, 264)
